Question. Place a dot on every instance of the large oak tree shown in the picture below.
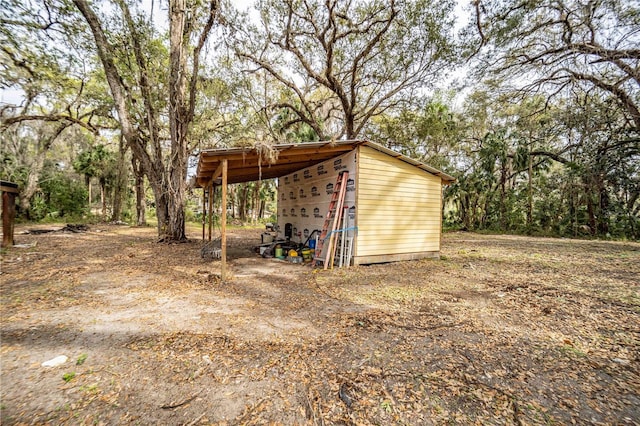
(557, 45)
(344, 62)
(190, 24)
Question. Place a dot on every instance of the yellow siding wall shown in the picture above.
(399, 207)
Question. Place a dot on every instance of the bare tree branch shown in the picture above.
(204, 35)
(348, 51)
(49, 118)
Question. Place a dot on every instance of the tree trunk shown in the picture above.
(103, 198)
(350, 132)
(162, 210)
(178, 122)
(589, 192)
(571, 199)
(87, 182)
(243, 201)
(141, 205)
(29, 190)
(503, 197)
(256, 202)
(151, 167)
(603, 207)
(231, 197)
(530, 195)
(116, 202)
(168, 183)
(120, 184)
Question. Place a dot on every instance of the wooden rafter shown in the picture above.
(246, 165)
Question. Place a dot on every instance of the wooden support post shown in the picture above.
(204, 210)
(223, 224)
(8, 216)
(9, 191)
(441, 216)
(212, 191)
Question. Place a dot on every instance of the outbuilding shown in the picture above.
(392, 204)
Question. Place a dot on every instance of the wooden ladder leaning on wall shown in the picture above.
(333, 218)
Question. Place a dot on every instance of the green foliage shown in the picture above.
(554, 151)
(426, 133)
(94, 162)
(81, 359)
(554, 169)
(192, 216)
(290, 129)
(562, 85)
(63, 195)
(39, 207)
(67, 377)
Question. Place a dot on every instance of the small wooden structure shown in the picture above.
(9, 191)
(394, 202)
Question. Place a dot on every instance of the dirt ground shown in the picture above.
(500, 330)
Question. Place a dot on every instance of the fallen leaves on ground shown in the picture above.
(501, 330)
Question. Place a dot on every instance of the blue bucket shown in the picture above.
(312, 244)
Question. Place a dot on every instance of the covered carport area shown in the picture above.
(220, 167)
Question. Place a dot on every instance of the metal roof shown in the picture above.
(250, 164)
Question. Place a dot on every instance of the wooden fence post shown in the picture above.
(9, 191)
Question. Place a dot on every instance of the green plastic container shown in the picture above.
(306, 254)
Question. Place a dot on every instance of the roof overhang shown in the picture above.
(251, 164)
